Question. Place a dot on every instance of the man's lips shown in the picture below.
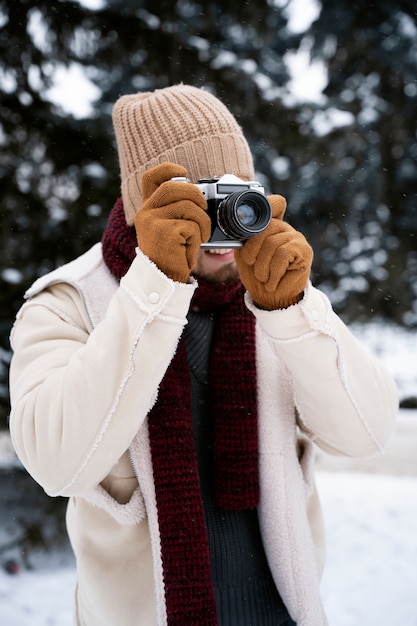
(220, 251)
(221, 255)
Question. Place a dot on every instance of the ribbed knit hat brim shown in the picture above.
(181, 124)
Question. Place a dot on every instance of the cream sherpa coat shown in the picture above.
(88, 359)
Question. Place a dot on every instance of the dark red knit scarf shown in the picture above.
(185, 555)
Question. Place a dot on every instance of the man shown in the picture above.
(177, 406)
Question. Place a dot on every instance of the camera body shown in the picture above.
(237, 209)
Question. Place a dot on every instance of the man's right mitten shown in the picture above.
(172, 223)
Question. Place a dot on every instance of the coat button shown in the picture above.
(154, 297)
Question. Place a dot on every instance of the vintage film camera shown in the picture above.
(238, 210)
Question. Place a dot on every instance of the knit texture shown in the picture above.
(185, 553)
(173, 213)
(181, 124)
(275, 265)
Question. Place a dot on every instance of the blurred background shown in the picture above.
(325, 91)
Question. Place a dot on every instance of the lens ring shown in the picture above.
(247, 203)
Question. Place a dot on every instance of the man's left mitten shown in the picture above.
(275, 265)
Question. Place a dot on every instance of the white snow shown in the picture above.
(371, 572)
(73, 91)
(38, 598)
(396, 347)
(308, 77)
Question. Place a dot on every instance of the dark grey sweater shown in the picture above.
(245, 591)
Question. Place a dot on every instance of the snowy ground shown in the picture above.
(371, 523)
(371, 572)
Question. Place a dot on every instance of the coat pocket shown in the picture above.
(121, 482)
(119, 494)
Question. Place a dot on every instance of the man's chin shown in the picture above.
(213, 268)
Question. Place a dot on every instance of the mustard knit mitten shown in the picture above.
(275, 265)
(172, 223)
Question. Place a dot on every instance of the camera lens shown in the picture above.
(246, 214)
(243, 214)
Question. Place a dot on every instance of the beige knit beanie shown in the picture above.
(181, 124)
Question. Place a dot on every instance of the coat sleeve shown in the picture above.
(78, 397)
(346, 400)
